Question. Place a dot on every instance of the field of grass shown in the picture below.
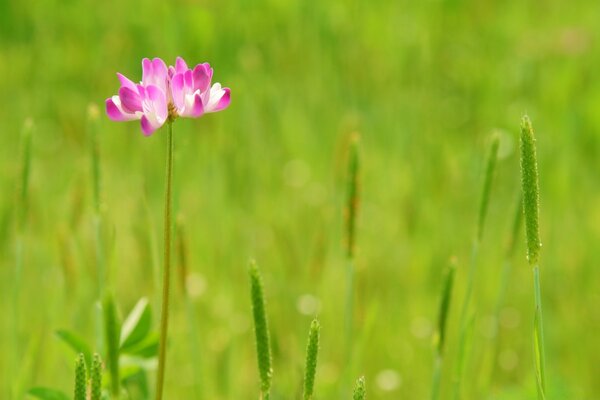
(425, 84)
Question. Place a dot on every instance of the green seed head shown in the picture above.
(487, 184)
(360, 392)
(80, 379)
(312, 350)
(96, 378)
(530, 187)
(263, 349)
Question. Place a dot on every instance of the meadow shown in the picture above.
(427, 87)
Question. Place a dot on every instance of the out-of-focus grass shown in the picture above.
(423, 82)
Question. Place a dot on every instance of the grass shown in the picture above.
(423, 82)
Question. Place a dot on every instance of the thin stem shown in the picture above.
(437, 376)
(349, 303)
(540, 357)
(464, 318)
(164, 320)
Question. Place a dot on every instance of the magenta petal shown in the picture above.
(113, 111)
(159, 101)
(202, 77)
(224, 101)
(147, 127)
(147, 70)
(160, 68)
(142, 91)
(198, 108)
(130, 100)
(126, 82)
(177, 90)
(180, 65)
(188, 80)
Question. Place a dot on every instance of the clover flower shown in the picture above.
(166, 93)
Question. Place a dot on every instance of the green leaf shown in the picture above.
(146, 348)
(47, 394)
(76, 343)
(137, 325)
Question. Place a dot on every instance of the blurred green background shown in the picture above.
(425, 83)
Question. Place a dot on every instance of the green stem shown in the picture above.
(540, 357)
(463, 320)
(164, 320)
(437, 375)
(349, 304)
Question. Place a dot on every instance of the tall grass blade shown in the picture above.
(490, 167)
(464, 315)
(112, 334)
(441, 329)
(263, 349)
(351, 210)
(312, 351)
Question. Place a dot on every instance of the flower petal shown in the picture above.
(218, 99)
(130, 100)
(126, 82)
(180, 65)
(147, 70)
(115, 112)
(159, 103)
(193, 106)
(224, 101)
(177, 91)
(160, 68)
(202, 76)
(147, 127)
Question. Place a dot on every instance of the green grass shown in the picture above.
(424, 83)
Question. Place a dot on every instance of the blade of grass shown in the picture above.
(441, 330)
(112, 333)
(464, 315)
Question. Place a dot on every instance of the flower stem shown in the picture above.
(164, 320)
(540, 357)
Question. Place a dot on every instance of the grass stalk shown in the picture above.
(464, 315)
(263, 349)
(94, 148)
(164, 319)
(503, 285)
(441, 331)
(21, 209)
(530, 188)
(351, 210)
(112, 333)
(312, 351)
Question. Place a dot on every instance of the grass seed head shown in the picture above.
(530, 188)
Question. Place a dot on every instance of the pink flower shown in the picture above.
(167, 93)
